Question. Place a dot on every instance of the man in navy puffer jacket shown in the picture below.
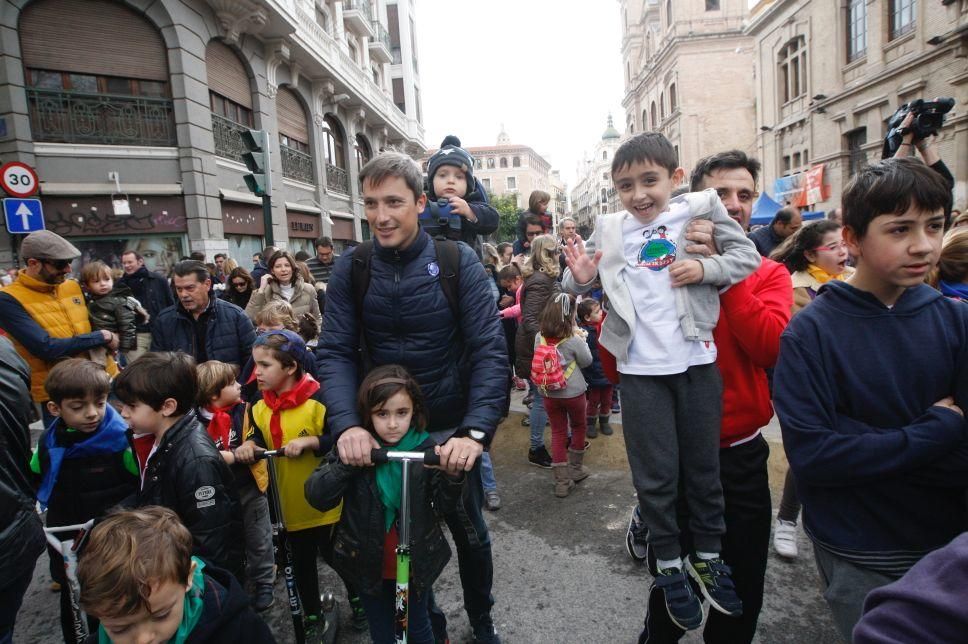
(461, 365)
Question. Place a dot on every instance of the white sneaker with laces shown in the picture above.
(785, 539)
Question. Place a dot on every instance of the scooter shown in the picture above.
(402, 591)
(281, 546)
(68, 549)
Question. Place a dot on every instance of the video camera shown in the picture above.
(928, 119)
(439, 221)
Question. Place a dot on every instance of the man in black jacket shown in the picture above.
(21, 533)
(183, 470)
(455, 351)
(149, 288)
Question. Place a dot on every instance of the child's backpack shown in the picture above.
(547, 374)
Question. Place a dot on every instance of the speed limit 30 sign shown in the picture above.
(18, 179)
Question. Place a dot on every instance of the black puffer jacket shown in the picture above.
(187, 475)
(358, 547)
(21, 533)
(461, 366)
(116, 313)
(228, 338)
(152, 290)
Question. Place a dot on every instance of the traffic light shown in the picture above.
(256, 159)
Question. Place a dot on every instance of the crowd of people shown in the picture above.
(158, 394)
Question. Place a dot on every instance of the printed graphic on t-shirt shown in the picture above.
(657, 252)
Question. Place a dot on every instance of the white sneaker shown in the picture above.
(785, 539)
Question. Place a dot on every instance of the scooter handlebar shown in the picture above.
(429, 457)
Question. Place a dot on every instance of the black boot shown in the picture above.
(591, 432)
(604, 427)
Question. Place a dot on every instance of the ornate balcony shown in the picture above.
(357, 16)
(59, 116)
(337, 179)
(228, 142)
(380, 44)
(296, 165)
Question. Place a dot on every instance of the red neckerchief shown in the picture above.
(304, 389)
(220, 426)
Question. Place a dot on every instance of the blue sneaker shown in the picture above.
(637, 537)
(685, 609)
(715, 584)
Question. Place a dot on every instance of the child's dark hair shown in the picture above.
(128, 553)
(286, 347)
(77, 378)
(383, 383)
(792, 253)
(509, 272)
(890, 187)
(649, 147)
(155, 377)
(586, 307)
(557, 319)
(213, 377)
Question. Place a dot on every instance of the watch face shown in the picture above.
(476, 434)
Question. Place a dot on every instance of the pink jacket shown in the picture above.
(514, 311)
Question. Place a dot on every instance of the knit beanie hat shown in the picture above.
(450, 153)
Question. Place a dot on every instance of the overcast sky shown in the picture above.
(549, 70)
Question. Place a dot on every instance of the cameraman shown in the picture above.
(929, 154)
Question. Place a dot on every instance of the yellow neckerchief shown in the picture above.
(821, 275)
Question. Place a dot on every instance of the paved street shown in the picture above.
(561, 571)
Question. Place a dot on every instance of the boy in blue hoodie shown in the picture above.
(83, 459)
(870, 389)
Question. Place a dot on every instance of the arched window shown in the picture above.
(655, 117)
(478, 164)
(645, 120)
(363, 151)
(100, 77)
(504, 162)
(673, 100)
(792, 70)
(334, 146)
(662, 111)
(490, 163)
(293, 136)
(230, 97)
(604, 195)
(668, 12)
(516, 162)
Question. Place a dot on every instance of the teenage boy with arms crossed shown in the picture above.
(870, 389)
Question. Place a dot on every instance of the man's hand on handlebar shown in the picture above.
(354, 446)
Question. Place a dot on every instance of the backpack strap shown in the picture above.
(448, 260)
(360, 275)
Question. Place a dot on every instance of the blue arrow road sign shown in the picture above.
(23, 215)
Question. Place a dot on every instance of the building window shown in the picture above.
(856, 29)
(668, 12)
(399, 97)
(516, 162)
(712, 5)
(604, 155)
(901, 17)
(792, 82)
(486, 182)
(333, 142)
(504, 162)
(662, 105)
(354, 52)
(393, 26)
(230, 110)
(477, 164)
(490, 163)
(673, 101)
(363, 151)
(857, 159)
(604, 195)
(645, 120)
(655, 117)
(512, 183)
(322, 19)
(605, 176)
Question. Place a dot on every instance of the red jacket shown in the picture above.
(753, 315)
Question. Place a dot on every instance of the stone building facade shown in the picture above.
(829, 75)
(689, 74)
(144, 100)
(594, 193)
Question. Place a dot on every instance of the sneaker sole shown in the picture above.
(705, 593)
(541, 465)
(628, 541)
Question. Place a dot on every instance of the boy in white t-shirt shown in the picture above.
(664, 304)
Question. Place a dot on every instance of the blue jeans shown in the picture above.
(11, 597)
(380, 616)
(538, 418)
(487, 473)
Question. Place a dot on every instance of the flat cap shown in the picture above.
(45, 244)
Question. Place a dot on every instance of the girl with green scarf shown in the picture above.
(392, 407)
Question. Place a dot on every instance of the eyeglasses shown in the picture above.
(58, 264)
(831, 247)
(533, 234)
(239, 284)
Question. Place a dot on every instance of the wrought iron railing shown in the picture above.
(363, 6)
(296, 165)
(60, 116)
(337, 179)
(381, 35)
(228, 142)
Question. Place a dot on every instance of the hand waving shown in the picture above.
(583, 268)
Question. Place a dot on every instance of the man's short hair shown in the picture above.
(222, 255)
(269, 251)
(389, 165)
(213, 377)
(890, 187)
(77, 378)
(127, 554)
(325, 242)
(136, 254)
(784, 215)
(728, 160)
(197, 255)
(188, 267)
(301, 256)
(650, 147)
(533, 220)
(561, 222)
(509, 273)
(158, 376)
